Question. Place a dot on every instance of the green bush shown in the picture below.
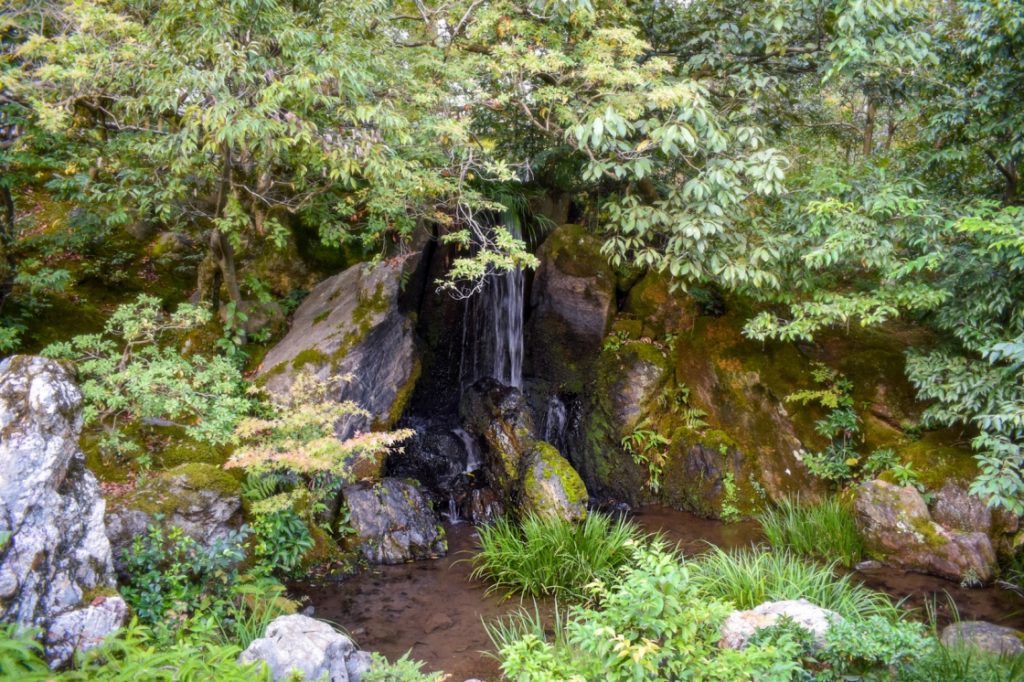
(751, 577)
(551, 557)
(402, 670)
(824, 530)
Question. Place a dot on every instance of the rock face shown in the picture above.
(201, 499)
(955, 509)
(56, 549)
(551, 487)
(299, 644)
(899, 530)
(740, 626)
(573, 300)
(394, 522)
(82, 629)
(352, 325)
(985, 636)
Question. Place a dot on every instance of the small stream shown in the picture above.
(433, 608)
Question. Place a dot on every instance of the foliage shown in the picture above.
(648, 447)
(651, 623)
(823, 530)
(21, 655)
(548, 556)
(730, 512)
(295, 465)
(751, 577)
(134, 373)
(402, 670)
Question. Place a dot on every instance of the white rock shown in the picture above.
(740, 626)
(300, 644)
(82, 629)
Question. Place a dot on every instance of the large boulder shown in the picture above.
(740, 626)
(499, 416)
(573, 300)
(299, 645)
(55, 550)
(394, 521)
(899, 530)
(551, 487)
(202, 499)
(989, 637)
(84, 628)
(956, 509)
(352, 325)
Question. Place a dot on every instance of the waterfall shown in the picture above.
(474, 459)
(492, 340)
(554, 423)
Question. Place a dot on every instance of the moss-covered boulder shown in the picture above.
(202, 499)
(499, 416)
(572, 303)
(353, 325)
(899, 530)
(551, 487)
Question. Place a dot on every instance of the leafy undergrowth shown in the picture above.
(823, 530)
(657, 617)
(547, 557)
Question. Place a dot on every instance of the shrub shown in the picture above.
(651, 624)
(824, 530)
(751, 577)
(402, 670)
(552, 557)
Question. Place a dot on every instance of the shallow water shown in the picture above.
(434, 610)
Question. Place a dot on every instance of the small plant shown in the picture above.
(648, 447)
(134, 372)
(730, 512)
(551, 556)
(402, 670)
(614, 342)
(824, 530)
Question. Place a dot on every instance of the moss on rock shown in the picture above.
(551, 487)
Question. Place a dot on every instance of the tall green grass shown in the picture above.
(748, 578)
(823, 530)
(552, 557)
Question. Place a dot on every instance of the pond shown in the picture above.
(434, 610)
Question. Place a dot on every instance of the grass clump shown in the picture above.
(823, 530)
(547, 556)
(748, 578)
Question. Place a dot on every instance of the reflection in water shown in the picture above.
(432, 609)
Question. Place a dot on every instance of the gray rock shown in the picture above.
(956, 509)
(394, 522)
(351, 325)
(898, 529)
(989, 637)
(82, 629)
(500, 417)
(201, 499)
(740, 626)
(299, 644)
(56, 548)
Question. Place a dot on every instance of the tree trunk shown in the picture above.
(869, 128)
(218, 267)
(8, 265)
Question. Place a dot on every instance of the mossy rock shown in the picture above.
(188, 451)
(551, 487)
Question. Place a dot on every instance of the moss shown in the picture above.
(106, 469)
(185, 451)
(937, 459)
(321, 316)
(576, 252)
(553, 466)
(94, 593)
(162, 493)
(310, 356)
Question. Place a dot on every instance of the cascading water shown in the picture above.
(555, 419)
(474, 459)
(492, 340)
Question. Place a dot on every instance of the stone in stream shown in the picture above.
(352, 325)
(299, 644)
(394, 521)
(55, 549)
(988, 637)
(551, 487)
(899, 530)
(740, 626)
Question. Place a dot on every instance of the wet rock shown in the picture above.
(551, 487)
(480, 505)
(956, 509)
(988, 637)
(297, 644)
(352, 325)
(573, 299)
(201, 499)
(435, 458)
(500, 416)
(868, 565)
(740, 626)
(898, 529)
(394, 521)
(83, 629)
(51, 510)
